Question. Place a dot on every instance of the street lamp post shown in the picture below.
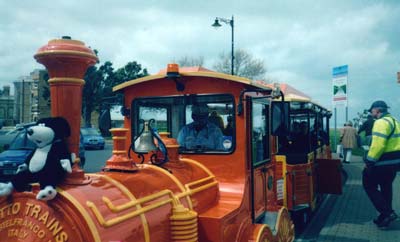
(216, 24)
(23, 100)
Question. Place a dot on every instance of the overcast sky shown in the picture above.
(300, 41)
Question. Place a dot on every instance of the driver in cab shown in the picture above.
(201, 134)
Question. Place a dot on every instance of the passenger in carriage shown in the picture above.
(201, 134)
(216, 119)
(300, 139)
(228, 131)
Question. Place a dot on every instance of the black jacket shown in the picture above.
(367, 127)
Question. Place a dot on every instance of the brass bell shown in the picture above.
(146, 141)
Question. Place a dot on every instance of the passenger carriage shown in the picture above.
(305, 168)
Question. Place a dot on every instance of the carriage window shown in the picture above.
(260, 133)
(313, 131)
(325, 130)
(299, 135)
(200, 123)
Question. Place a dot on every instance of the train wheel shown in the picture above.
(284, 227)
(265, 235)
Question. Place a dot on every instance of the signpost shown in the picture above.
(340, 90)
(339, 81)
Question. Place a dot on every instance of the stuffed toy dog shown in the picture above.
(49, 163)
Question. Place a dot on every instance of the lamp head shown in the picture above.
(216, 23)
(173, 74)
(173, 71)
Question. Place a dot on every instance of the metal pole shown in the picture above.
(23, 100)
(233, 53)
(334, 139)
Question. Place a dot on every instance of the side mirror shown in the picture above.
(280, 118)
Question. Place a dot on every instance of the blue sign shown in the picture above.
(340, 70)
(339, 81)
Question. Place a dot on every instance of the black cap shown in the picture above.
(378, 104)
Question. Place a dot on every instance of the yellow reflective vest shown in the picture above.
(385, 146)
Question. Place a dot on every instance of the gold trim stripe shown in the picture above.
(174, 179)
(133, 203)
(174, 199)
(190, 191)
(71, 52)
(66, 79)
(118, 137)
(127, 216)
(261, 232)
(92, 227)
(118, 129)
(199, 165)
(119, 152)
(132, 197)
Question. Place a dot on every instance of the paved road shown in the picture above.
(348, 217)
(96, 159)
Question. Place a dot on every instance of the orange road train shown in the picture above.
(232, 184)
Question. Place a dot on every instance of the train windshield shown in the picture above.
(200, 123)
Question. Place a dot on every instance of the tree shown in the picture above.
(91, 93)
(46, 88)
(360, 118)
(130, 71)
(99, 84)
(108, 78)
(190, 61)
(245, 65)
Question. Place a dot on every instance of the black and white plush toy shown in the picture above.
(49, 163)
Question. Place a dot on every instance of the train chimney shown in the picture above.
(67, 61)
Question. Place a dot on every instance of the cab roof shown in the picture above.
(196, 71)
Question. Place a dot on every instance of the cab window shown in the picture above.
(159, 114)
(200, 123)
(260, 133)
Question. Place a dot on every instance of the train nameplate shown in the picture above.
(20, 221)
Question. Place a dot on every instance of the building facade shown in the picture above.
(29, 105)
(6, 107)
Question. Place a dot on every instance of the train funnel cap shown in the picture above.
(378, 104)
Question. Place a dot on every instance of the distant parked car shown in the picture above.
(92, 139)
(20, 150)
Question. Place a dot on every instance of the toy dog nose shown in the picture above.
(30, 131)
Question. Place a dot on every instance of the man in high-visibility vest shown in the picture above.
(382, 161)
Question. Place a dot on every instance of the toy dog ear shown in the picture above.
(62, 127)
(59, 125)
